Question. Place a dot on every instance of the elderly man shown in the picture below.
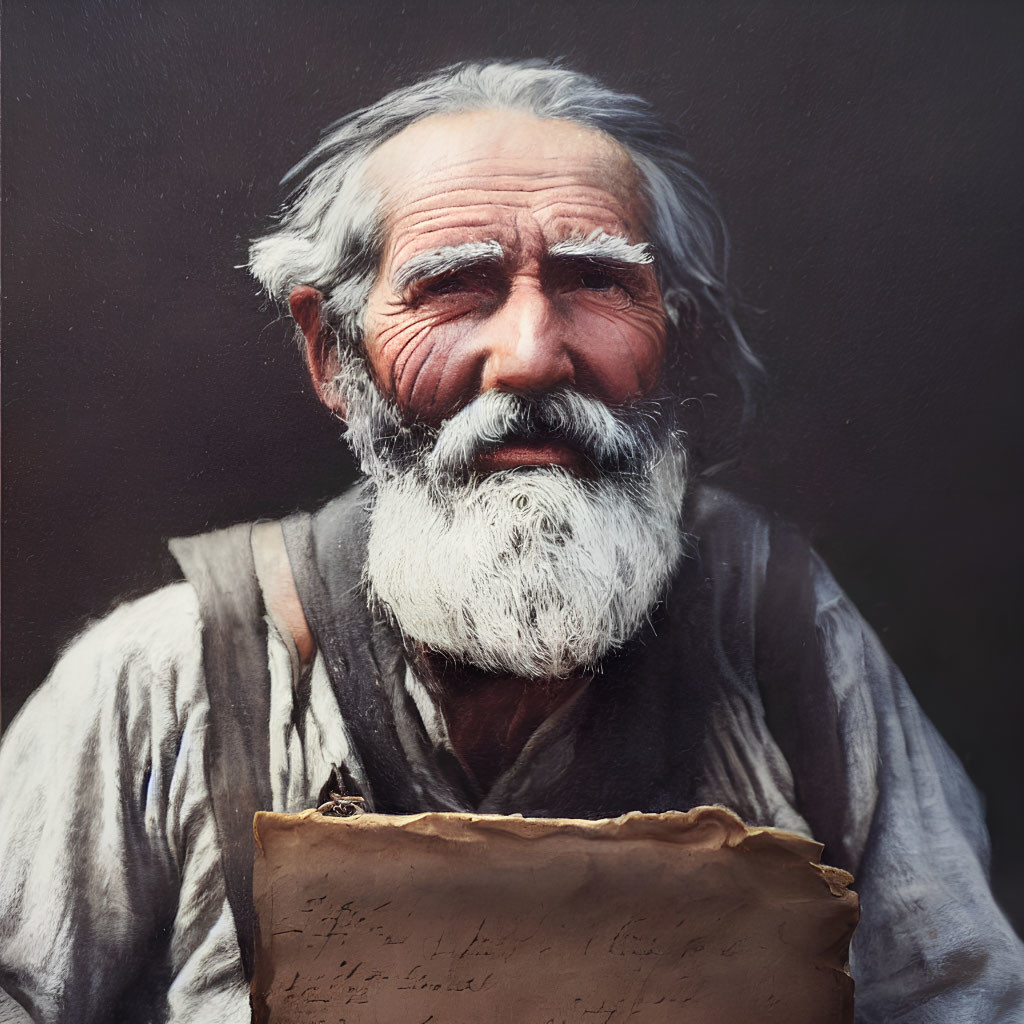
(504, 277)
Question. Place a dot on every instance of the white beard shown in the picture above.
(533, 572)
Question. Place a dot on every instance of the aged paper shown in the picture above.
(484, 919)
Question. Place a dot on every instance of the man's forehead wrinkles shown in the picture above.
(500, 194)
(434, 228)
(575, 221)
(468, 206)
(559, 208)
(439, 233)
(471, 219)
(416, 221)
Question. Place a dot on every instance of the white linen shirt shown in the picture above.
(107, 834)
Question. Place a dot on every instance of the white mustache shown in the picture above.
(496, 416)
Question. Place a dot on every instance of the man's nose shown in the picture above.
(526, 343)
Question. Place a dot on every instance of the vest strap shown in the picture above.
(362, 654)
(221, 570)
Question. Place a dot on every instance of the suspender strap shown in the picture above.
(220, 568)
(363, 656)
(798, 698)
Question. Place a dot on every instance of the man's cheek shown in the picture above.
(620, 354)
(426, 364)
(650, 346)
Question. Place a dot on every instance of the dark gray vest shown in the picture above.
(636, 734)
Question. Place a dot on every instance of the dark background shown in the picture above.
(869, 161)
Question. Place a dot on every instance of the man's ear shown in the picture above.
(306, 304)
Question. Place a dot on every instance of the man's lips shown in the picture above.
(522, 453)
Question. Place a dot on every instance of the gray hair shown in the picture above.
(329, 234)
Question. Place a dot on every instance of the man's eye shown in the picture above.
(597, 280)
(458, 283)
(610, 284)
(449, 284)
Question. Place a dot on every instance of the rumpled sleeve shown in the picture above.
(892, 804)
(98, 815)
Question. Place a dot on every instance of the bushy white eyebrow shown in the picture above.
(445, 260)
(599, 245)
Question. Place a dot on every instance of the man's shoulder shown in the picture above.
(735, 539)
(159, 627)
(710, 506)
(723, 527)
(145, 649)
(135, 672)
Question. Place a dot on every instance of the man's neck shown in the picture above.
(490, 717)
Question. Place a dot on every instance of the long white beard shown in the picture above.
(534, 572)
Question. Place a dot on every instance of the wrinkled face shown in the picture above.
(515, 260)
